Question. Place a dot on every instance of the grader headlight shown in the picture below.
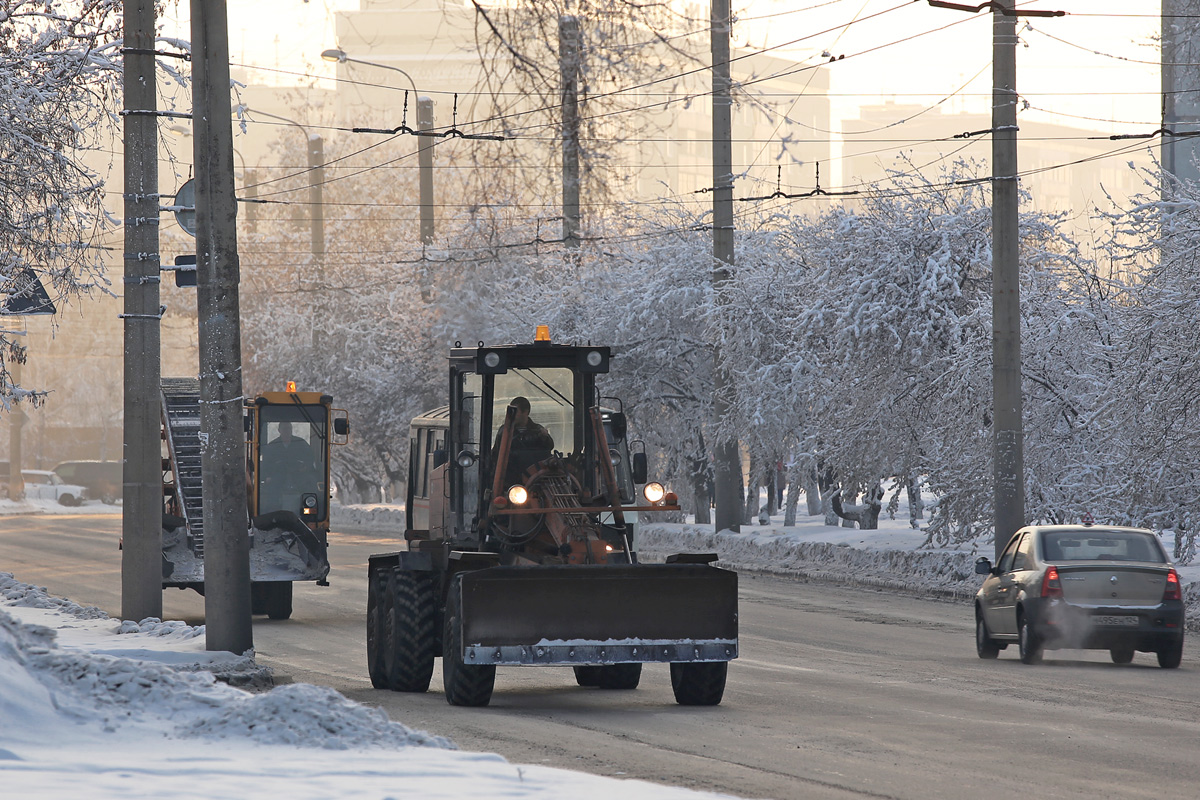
(654, 492)
(518, 495)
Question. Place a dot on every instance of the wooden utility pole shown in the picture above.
(727, 457)
(1008, 446)
(223, 456)
(568, 60)
(141, 519)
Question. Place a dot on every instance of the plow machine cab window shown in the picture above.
(292, 464)
(464, 449)
(550, 394)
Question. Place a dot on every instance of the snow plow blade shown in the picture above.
(599, 614)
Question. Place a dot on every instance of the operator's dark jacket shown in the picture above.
(529, 445)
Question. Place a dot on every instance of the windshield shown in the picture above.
(1102, 545)
(549, 393)
(291, 459)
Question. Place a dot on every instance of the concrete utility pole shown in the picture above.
(141, 520)
(568, 64)
(1008, 445)
(727, 457)
(425, 167)
(223, 458)
(1181, 87)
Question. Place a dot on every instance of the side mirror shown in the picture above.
(619, 425)
(983, 566)
(341, 426)
(639, 467)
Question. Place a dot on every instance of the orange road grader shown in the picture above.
(522, 546)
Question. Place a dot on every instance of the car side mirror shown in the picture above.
(983, 566)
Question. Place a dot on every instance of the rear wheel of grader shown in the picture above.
(410, 636)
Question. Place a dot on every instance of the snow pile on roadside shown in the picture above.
(98, 708)
(110, 674)
(949, 573)
(379, 517)
(37, 506)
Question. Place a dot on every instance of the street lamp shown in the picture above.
(424, 148)
(340, 57)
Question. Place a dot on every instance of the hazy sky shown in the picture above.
(1095, 67)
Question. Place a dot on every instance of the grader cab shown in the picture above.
(521, 542)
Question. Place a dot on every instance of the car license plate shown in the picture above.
(1116, 621)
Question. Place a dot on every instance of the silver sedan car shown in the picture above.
(1081, 587)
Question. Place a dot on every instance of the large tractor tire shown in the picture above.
(699, 683)
(273, 598)
(410, 634)
(376, 618)
(465, 684)
(620, 676)
(587, 675)
(258, 598)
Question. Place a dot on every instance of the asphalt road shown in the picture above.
(838, 693)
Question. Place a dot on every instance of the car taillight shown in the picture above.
(1171, 590)
(1051, 585)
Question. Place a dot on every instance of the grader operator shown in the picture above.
(521, 543)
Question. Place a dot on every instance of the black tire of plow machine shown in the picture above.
(376, 618)
(699, 683)
(620, 676)
(410, 635)
(279, 599)
(465, 684)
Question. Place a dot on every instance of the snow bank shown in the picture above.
(949, 573)
(105, 709)
(378, 517)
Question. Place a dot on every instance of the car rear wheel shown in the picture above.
(1170, 656)
(1029, 642)
(1121, 655)
(68, 500)
(985, 645)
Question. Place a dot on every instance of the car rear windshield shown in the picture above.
(1101, 545)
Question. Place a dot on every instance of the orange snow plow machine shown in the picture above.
(523, 502)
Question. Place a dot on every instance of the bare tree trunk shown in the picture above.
(831, 518)
(751, 509)
(795, 474)
(700, 489)
(916, 506)
(866, 515)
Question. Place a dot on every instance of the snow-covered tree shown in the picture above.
(59, 81)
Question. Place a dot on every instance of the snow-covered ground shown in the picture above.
(97, 708)
(28, 506)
